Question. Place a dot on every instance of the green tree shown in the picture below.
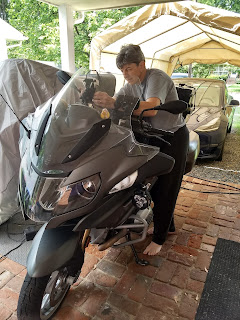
(3, 5)
(231, 5)
(202, 70)
(39, 22)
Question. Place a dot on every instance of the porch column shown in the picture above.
(66, 25)
(3, 49)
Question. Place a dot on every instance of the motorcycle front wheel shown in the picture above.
(40, 298)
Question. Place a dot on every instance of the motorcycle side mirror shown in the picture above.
(234, 102)
(63, 76)
(174, 107)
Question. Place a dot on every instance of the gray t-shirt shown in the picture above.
(157, 84)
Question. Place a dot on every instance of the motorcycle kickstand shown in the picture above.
(139, 261)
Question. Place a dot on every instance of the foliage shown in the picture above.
(234, 88)
(41, 27)
(206, 70)
(182, 69)
(202, 70)
(218, 77)
(231, 5)
(3, 5)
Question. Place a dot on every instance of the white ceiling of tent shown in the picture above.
(173, 35)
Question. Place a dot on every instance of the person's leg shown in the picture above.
(172, 226)
(165, 191)
(171, 230)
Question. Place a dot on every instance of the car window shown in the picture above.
(208, 95)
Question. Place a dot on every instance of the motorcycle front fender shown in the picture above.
(51, 249)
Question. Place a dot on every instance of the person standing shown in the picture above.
(154, 87)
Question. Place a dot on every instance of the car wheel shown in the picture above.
(219, 158)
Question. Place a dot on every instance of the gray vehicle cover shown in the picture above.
(24, 84)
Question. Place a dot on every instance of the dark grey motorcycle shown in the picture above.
(86, 178)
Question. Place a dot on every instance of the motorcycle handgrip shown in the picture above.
(174, 107)
(63, 76)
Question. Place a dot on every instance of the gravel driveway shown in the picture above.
(227, 170)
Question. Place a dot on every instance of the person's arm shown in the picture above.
(103, 100)
(148, 104)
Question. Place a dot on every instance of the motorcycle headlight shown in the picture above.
(70, 197)
(125, 183)
(210, 126)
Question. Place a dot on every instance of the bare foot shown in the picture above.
(152, 249)
(150, 231)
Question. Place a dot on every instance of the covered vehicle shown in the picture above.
(24, 85)
(212, 114)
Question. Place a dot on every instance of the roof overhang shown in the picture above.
(86, 5)
(10, 33)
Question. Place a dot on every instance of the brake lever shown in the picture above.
(160, 131)
(146, 127)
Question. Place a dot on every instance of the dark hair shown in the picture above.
(129, 53)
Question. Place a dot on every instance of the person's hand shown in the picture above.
(103, 100)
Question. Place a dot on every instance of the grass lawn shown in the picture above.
(234, 88)
(236, 120)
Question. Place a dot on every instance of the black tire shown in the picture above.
(40, 298)
(220, 157)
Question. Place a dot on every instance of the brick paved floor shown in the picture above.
(112, 286)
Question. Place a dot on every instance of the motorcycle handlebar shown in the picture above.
(174, 107)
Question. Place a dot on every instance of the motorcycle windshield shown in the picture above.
(70, 130)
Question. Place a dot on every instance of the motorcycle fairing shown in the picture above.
(104, 164)
(160, 164)
(113, 154)
(90, 139)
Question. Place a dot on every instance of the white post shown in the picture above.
(67, 38)
(3, 49)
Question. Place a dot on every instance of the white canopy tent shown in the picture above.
(9, 33)
(171, 35)
(66, 21)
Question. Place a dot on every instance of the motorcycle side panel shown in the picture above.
(51, 249)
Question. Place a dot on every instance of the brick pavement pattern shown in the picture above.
(113, 286)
